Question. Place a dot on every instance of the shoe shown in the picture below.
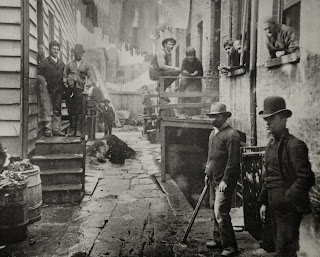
(229, 251)
(213, 244)
(47, 133)
(58, 134)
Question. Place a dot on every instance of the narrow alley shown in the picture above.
(126, 211)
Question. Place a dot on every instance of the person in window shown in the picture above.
(191, 68)
(233, 55)
(237, 47)
(161, 64)
(280, 39)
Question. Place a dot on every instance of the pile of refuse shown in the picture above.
(11, 178)
(20, 165)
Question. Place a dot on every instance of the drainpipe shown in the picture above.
(253, 70)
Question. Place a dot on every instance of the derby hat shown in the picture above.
(218, 108)
(168, 39)
(273, 105)
(78, 48)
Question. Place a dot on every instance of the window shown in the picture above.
(51, 27)
(288, 12)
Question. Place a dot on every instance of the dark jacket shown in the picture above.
(295, 170)
(108, 114)
(53, 73)
(224, 156)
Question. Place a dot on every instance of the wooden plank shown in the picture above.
(10, 80)
(33, 4)
(163, 152)
(33, 16)
(10, 52)
(10, 96)
(10, 32)
(32, 144)
(10, 15)
(10, 46)
(11, 64)
(33, 86)
(32, 134)
(13, 145)
(10, 112)
(9, 128)
(189, 94)
(33, 98)
(33, 71)
(33, 30)
(10, 3)
(178, 106)
(186, 124)
(33, 109)
(33, 122)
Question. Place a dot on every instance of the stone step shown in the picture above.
(61, 176)
(52, 145)
(58, 194)
(58, 161)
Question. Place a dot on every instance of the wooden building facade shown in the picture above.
(24, 25)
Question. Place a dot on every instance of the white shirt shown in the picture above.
(78, 63)
(55, 59)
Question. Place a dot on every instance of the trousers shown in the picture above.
(285, 222)
(220, 202)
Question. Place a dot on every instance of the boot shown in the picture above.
(47, 129)
(72, 120)
(56, 126)
(78, 125)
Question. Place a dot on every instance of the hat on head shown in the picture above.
(273, 105)
(106, 100)
(168, 39)
(217, 108)
(78, 48)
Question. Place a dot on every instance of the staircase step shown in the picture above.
(52, 145)
(58, 161)
(57, 194)
(61, 176)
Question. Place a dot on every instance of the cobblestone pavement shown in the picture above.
(127, 212)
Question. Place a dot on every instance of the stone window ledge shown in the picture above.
(236, 72)
(289, 58)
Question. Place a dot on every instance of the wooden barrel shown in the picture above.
(13, 213)
(34, 193)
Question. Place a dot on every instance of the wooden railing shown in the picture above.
(204, 103)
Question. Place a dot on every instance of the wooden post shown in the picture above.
(25, 78)
(84, 115)
(163, 152)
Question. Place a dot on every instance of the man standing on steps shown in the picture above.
(51, 68)
(161, 64)
(222, 172)
(78, 76)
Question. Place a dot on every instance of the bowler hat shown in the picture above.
(273, 105)
(168, 39)
(217, 108)
(106, 100)
(78, 48)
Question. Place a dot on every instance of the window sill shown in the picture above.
(289, 58)
(237, 72)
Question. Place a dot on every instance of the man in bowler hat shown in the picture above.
(161, 64)
(222, 172)
(287, 180)
(78, 74)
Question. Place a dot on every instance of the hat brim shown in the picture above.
(214, 113)
(266, 115)
(78, 50)
(168, 39)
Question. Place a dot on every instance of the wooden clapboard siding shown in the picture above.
(12, 143)
(10, 59)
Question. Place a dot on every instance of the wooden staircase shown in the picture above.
(62, 168)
